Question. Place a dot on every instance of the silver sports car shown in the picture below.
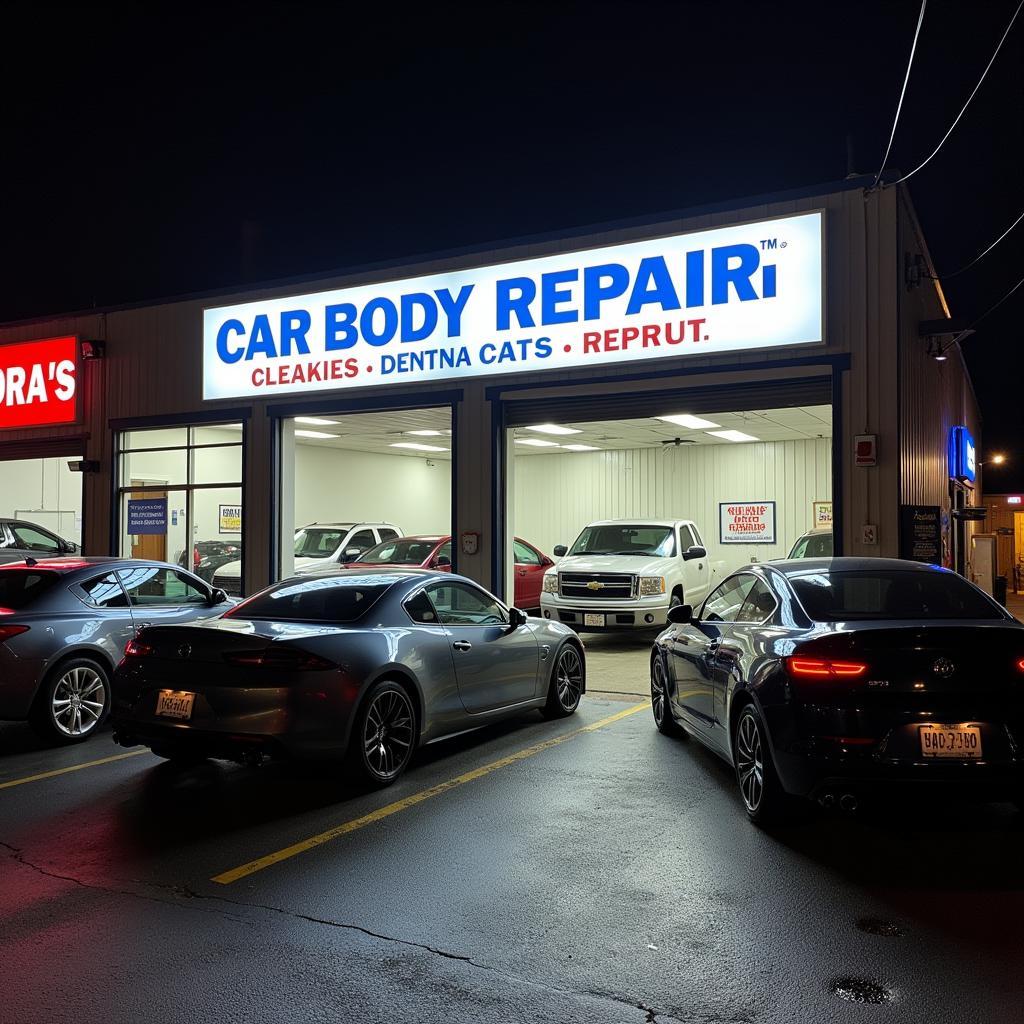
(64, 623)
(367, 664)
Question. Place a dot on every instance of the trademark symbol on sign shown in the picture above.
(769, 243)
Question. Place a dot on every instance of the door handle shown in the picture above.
(713, 647)
(462, 645)
(143, 625)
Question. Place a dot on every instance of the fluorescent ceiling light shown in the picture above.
(416, 446)
(554, 428)
(685, 420)
(536, 442)
(428, 433)
(581, 447)
(316, 421)
(313, 433)
(733, 435)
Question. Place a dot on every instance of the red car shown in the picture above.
(436, 553)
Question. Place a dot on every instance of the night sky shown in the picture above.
(151, 152)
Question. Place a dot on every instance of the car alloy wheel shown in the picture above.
(569, 678)
(659, 699)
(750, 762)
(388, 733)
(78, 702)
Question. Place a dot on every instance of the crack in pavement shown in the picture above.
(184, 892)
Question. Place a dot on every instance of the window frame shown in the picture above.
(728, 579)
(189, 580)
(470, 585)
(775, 602)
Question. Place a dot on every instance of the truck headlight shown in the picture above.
(551, 584)
(651, 585)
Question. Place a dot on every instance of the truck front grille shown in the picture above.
(601, 586)
(231, 585)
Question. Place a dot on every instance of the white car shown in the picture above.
(626, 574)
(318, 546)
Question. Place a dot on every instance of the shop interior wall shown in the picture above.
(43, 491)
(338, 485)
(557, 495)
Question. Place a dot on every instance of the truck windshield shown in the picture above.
(317, 542)
(625, 539)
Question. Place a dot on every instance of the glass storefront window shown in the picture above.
(180, 497)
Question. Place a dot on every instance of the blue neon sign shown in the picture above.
(962, 458)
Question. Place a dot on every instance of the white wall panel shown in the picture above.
(30, 485)
(557, 495)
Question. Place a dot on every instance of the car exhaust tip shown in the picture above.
(828, 801)
(848, 803)
(253, 758)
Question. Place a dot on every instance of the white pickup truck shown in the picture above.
(626, 574)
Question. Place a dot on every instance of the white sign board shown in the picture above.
(735, 288)
(746, 522)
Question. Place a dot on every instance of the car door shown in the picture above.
(161, 596)
(496, 666)
(114, 624)
(530, 566)
(694, 649)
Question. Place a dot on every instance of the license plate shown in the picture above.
(175, 704)
(593, 618)
(962, 742)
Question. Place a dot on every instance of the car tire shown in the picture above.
(568, 680)
(383, 735)
(73, 701)
(660, 705)
(764, 799)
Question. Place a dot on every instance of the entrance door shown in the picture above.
(150, 546)
(983, 561)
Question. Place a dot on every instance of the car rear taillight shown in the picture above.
(821, 668)
(136, 648)
(6, 632)
(1020, 665)
(281, 658)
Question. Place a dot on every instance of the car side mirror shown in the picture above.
(560, 550)
(68, 547)
(353, 552)
(443, 560)
(694, 551)
(516, 618)
(680, 614)
(545, 562)
(218, 596)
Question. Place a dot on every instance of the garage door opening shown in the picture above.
(40, 508)
(358, 481)
(752, 482)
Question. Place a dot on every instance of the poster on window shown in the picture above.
(822, 515)
(230, 519)
(746, 522)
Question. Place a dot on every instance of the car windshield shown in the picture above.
(624, 539)
(317, 541)
(20, 587)
(407, 551)
(813, 545)
(319, 599)
(842, 596)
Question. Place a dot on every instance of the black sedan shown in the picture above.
(831, 679)
(365, 663)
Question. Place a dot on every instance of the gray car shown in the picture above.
(20, 539)
(64, 624)
(368, 664)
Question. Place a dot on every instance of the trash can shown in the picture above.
(999, 586)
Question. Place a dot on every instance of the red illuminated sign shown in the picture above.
(39, 383)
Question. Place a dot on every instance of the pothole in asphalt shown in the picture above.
(861, 990)
(877, 926)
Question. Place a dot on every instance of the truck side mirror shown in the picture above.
(559, 550)
(694, 551)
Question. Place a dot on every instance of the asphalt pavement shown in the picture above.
(588, 869)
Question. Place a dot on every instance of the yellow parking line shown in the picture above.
(70, 768)
(227, 877)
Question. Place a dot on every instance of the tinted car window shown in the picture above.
(800, 548)
(18, 588)
(361, 539)
(386, 533)
(458, 604)
(328, 599)
(759, 603)
(686, 538)
(525, 555)
(882, 594)
(104, 592)
(152, 585)
(420, 609)
(404, 551)
(819, 546)
(725, 603)
(34, 540)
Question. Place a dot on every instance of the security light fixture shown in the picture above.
(536, 442)
(688, 421)
(427, 433)
(92, 349)
(313, 433)
(553, 428)
(733, 435)
(316, 421)
(417, 447)
(581, 448)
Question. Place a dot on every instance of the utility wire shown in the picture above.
(976, 259)
(969, 98)
(903, 92)
(991, 309)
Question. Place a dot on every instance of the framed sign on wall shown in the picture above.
(821, 515)
(230, 519)
(746, 522)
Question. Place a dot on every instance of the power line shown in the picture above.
(976, 259)
(903, 92)
(990, 309)
(969, 98)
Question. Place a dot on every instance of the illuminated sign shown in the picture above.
(961, 455)
(1015, 500)
(736, 288)
(746, 522)
(38, 383)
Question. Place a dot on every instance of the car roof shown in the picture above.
(639, 522)
(380, 574)
(792, 567)
(817, 531)
(74, 563)
(347, 526)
